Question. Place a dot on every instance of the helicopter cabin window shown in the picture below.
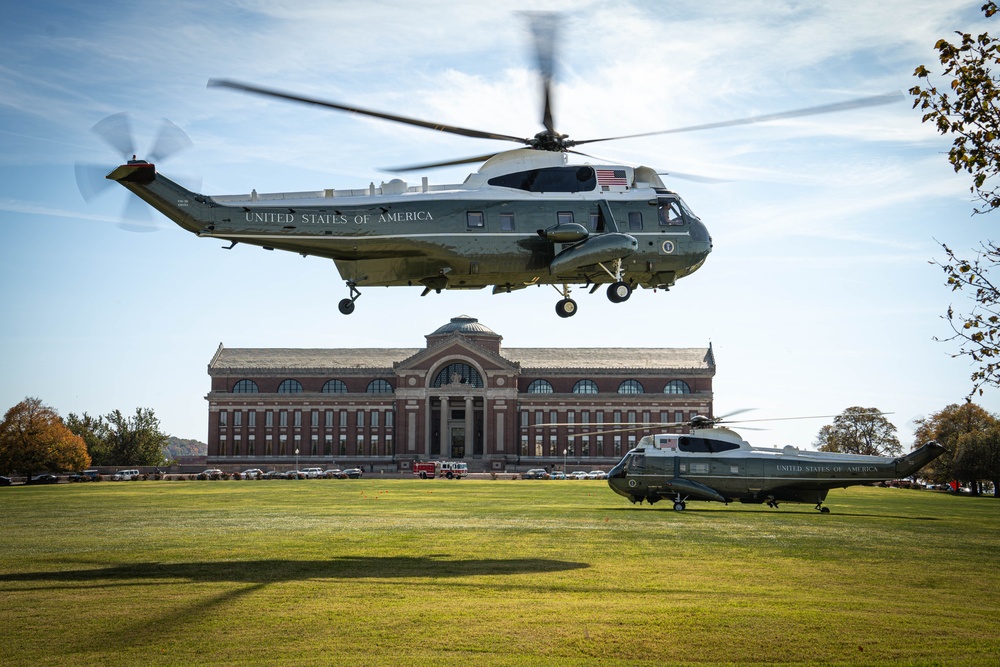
(670, 214)
(506, 222)
(564, 217)
(549, 179)
(705, 445)
(594, 222)
(635, 221)
(475, 219)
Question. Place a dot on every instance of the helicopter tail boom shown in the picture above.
(188, 209)
(914, 461)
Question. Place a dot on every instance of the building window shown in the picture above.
(246, 387)
(329, 418)
(237, 418)
(524, 445)
(328, 446)
(389, 418)
(374, 418)
(374, 445)
(379, 387)
(506, 222)
(223, 418)
(251, 450)
(313, 445)
(585, 387)
(283, 419)
(290, 387)
(458, 373)
(677, 387)
(269, 418)
(524, 419)
(359, 445)
(618, 446)
(359, 420)
(585, 446)
(475, 219)
(540, 387)
(538, 445)
(631, 387)
(252, 419)
(298, 419)
(635, 221)
(334, 387)
(342, 448)
(538, 418)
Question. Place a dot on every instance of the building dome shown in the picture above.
(464, 324)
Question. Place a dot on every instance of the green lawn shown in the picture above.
(390, 572)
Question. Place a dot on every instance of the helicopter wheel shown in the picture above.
(566, 308)
(346, 306)
(619, 292)
(679, 506)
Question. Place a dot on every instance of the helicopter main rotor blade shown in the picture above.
(544, 31)
(435, 165)
(875, 100)
(452, 129)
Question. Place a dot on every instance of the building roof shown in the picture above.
(231, 360)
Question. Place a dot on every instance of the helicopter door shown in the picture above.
(753, 472)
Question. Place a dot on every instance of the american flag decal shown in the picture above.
(611, 177)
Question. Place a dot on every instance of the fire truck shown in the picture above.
(432, 469)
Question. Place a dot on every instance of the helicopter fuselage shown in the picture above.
(717, 465)
(524, 218)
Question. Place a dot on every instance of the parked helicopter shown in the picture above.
(526, 217)
(714, 463)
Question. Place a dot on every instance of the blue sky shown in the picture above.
(818, 296)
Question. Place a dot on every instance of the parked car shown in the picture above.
(5, 481)
(351, 473)
(44, 478)
(332, 473)
(126, 475)
(535, 473)
(274, 474)
(597, 474)
(253, 473)
(577, 474)
(85, 476)
(295, 474)
(557, 474)
(313, 473)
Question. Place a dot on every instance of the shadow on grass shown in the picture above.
(276, 571)
(738, 511)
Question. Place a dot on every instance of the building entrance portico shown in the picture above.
(456, 426)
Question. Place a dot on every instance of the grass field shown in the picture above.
(389, 572)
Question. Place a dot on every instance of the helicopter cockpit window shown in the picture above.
(670, 214)
(549, 179)
(637, 461)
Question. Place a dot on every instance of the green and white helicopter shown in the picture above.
(714, 463)
(526, 217)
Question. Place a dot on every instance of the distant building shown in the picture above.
(460, 397)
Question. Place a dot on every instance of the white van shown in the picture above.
(126, 475)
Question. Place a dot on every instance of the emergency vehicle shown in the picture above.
(432, 469)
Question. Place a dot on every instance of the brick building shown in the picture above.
(461, 396)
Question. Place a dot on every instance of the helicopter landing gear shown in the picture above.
(679, 503)
(346, 306)
(771, 502)
(822, 510)
(619, 292)
(567, 306)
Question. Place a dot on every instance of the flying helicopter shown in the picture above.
(526, 217)
(715, 463)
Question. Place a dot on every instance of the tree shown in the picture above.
(860, 431)
(135, 441)
(964, 430)
(969, 110)
(34, 439)
(93, 430)
(978, 458)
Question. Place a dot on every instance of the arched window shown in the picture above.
(631, 387)
(540, 387)
(379, 387)
(458, 373)
(585, 387)
(246, 387)
(677, 387)
(290, 387)
(335, 387)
